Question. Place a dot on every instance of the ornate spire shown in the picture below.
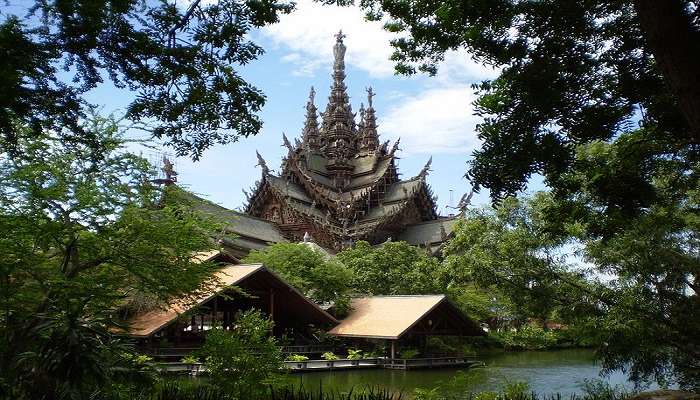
(369, 139)
(310, 134)
(338, 119)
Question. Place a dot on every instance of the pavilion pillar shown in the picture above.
(272, 304)
(215, 313)
(393, 349)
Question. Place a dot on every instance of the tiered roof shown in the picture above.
(339, 183)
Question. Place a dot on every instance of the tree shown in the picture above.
(570, 73)
(246, 360)
(81, 232)
(509, 253)
(392, 268)
(182, 63)
(650, 311)
(318, 276)
(644, 318)
(602, 99)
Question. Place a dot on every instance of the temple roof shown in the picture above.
(249, 233)
(338, 178)
(429, 232)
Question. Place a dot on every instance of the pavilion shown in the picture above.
(234, 288)
(400, 321)
(405, 320)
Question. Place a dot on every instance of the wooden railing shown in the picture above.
(344, 363)
(409, 363)
(307, 349)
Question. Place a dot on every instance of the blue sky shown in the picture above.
(432, 115)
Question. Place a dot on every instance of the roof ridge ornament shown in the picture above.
(262, 164)
(426, 169)
(395, 148)
(286, 143)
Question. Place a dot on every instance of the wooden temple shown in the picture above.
(339, 184)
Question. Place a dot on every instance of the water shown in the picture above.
(546, 372)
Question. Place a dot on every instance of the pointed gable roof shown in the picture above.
(148, 323)
(391, 317)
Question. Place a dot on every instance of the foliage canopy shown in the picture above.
(82, 234)
(183, 64)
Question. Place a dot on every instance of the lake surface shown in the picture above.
(546, 372)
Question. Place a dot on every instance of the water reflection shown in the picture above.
(546, 372)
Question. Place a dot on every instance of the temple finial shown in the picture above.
(339, 53)
(312, 95)
(370, 96)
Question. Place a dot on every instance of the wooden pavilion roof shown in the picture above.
(391, 317)
(148, 323)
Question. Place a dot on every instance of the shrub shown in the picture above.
(355, 354)
(408, 353)
(329, 356)
(297, 357)
(189, 359)
(245, 360)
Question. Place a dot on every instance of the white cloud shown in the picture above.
(438, 120)
(309, 32)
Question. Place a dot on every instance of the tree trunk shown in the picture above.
(675, 44)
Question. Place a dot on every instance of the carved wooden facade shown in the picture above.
(338, 183)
